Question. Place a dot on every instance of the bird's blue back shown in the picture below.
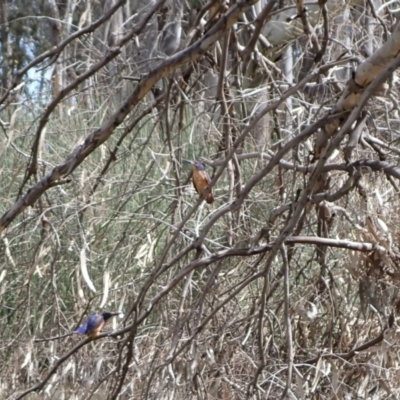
(91, 325)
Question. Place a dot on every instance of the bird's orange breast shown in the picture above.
(200, 182)
(97, 330)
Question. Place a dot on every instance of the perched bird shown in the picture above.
(200, 179)
(93, 325)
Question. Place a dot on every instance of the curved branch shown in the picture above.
(55, 51)
(99, 136)
(110, 55)
(39, 386)
(198, 263)
(349, 355)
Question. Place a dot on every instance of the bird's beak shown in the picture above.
(115, 313)
(188, 162)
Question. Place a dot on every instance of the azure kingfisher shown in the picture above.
(93, 325)
(200, 179)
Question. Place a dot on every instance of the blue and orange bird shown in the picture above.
(94, 324)
(200, 179)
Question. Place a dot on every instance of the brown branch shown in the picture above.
(302, 12)
(325, 39)
(369, 77)
(99, 136)
(383, 25)
(345, 189)
(355, 135)
(198, 263)
(55, 51)
(261, 174)
(126, 132)
(289, 339)
(61, 182)
(344, 244)
(246, 252)
(349, 355)
(212, 314)
(373, 165)
(110, 55)
(39, 386)
(376, 165)
(258, 25)
(236, 204)
(52, 338)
